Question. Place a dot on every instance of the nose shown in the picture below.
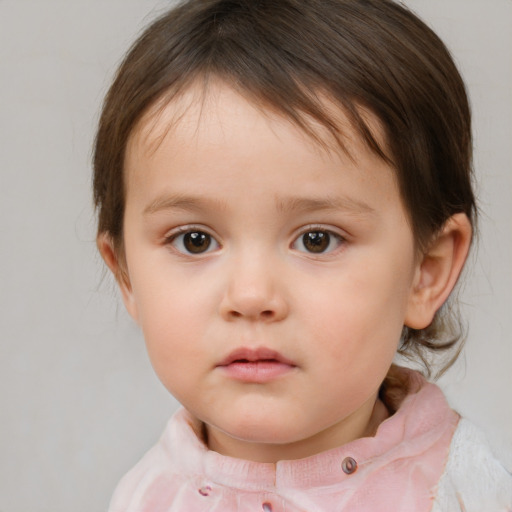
(254, 291)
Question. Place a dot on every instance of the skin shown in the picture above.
(254, 184)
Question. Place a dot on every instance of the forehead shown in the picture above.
(218, 133)
(212, 107)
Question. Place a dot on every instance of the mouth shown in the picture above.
(256, 365)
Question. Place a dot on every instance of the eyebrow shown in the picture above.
(307, 204)
(183, 202)
(284, 205)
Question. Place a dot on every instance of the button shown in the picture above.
(267, 507)
(205, 491)
(349, 465)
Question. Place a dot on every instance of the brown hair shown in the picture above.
(289, 54)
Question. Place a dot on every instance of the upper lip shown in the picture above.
(255, 354)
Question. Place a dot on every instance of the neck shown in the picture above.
(363, 423)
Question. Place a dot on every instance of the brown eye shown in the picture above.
(316, 241)
(196, 242)
(193, 242)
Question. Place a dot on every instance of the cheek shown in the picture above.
(362, 315)
(173, 336)
(167, 295)
(173, 316)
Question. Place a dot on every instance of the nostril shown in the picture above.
(267, 314)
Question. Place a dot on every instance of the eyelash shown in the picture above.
(179, 235)
(327, 236)
(331, 237)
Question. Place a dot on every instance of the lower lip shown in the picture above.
(256, 371)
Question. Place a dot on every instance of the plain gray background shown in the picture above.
(79, 403)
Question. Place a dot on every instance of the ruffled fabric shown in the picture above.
(397, 470)
(474, 480)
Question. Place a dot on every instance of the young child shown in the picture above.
(284, 196)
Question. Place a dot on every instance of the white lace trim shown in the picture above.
(473, 475)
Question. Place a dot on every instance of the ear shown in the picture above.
(110, 256)
(438, 270)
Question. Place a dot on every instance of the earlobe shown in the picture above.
(438, 271)
(109, 254)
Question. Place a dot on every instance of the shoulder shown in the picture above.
(474, 479)
(168, 475)
(147, 478)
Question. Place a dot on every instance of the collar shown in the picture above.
(421, 429)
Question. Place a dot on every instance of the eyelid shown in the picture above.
(171, 237)
(338, 232)
(332, 231)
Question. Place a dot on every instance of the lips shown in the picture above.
(253, 355)
(258, 365)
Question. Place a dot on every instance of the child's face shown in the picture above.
(245, 241)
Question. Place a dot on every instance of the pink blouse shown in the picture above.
(397, 470)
